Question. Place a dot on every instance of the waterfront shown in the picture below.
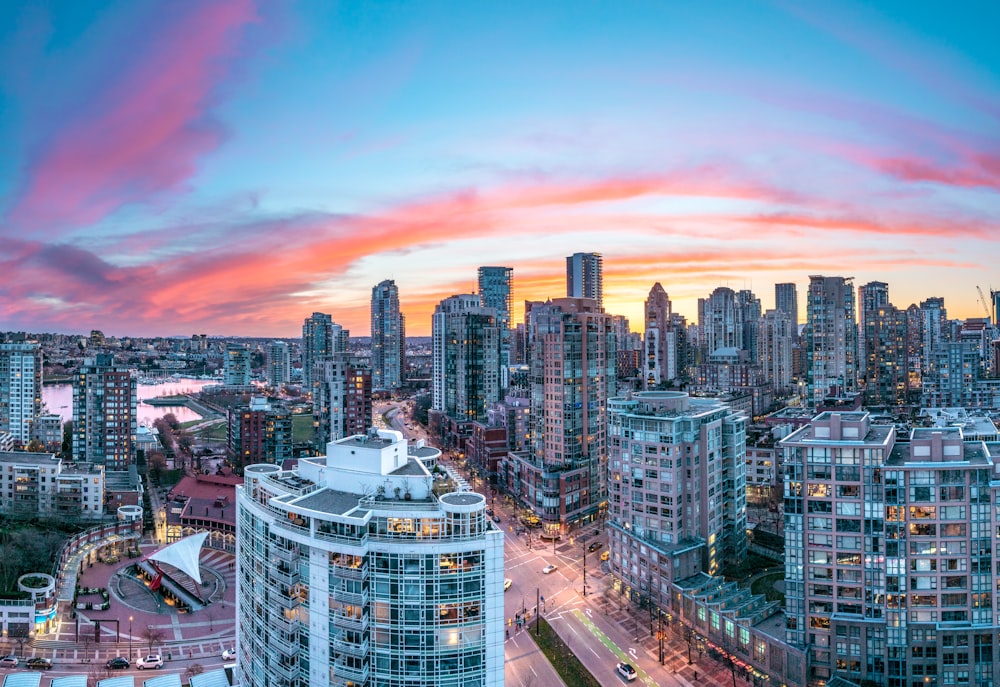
(59, 399)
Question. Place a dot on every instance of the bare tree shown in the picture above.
(96, 674)
(192, 670)
(152, 635)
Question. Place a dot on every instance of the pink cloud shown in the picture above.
(145, 130)
(252, 276)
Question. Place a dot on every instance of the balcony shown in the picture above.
(349, 573)
(345, 672)
(342, 646)
(286, 602)
(283, 624)
(285, 671)
(287, 576)
(352, 598)
(346, 622)
(285, 644)
(283, 554)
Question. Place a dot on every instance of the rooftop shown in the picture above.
(28, 458)
(329, 501)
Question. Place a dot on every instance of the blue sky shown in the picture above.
(231, 167)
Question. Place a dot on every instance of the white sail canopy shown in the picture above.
(183, 555)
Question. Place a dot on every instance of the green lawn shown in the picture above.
(562, 659)
(302, 427)
(765, 585)
(217, 432)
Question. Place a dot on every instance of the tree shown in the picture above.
(152, 635)
(67, 442)
(156, 463)
(97, 673)
(192, 670)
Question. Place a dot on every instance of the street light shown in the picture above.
(130, 638)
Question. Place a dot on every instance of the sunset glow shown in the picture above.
(231, 167)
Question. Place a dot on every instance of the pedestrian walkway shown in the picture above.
(138, 620)
(69, 574)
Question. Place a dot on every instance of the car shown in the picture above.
(117, 663)
(9, 661)
(594, 546)
(152, 661)
(626, 671)
(548, 568)
(606, 555)
(229, 655)
(39, 663)
(507, 582)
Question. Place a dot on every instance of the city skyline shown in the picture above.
(292, 157)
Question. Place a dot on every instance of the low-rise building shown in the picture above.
(39, 484)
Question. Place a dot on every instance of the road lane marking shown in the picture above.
(613, 648)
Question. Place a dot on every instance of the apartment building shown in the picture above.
(562, 477)
(358, 568)
(889, 573)
(104, 413)
(677, 489)
(20, 390)
(40, 485)
(341, 399)
(260, 433)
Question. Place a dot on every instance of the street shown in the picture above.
(601, 628)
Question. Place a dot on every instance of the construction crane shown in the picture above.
(982, 299)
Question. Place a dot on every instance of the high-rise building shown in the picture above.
(260, 433)
(688, 457)
(585, 277)
(104, 413)
(236, 365)
(388, 338)
(749, 313)
(279, 366)
(885, 374)
(321, 337)
(353, 571)
(933, 331)
(495, 289)
(573, 358)
(20, 389)
(774, 349)
(831, 338)
(786, 300)
(889, 563)
(871, 297)
(728, 319)
(342, 399)
(952, 372)
(466, 353)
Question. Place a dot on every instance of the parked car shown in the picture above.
(229, 655)
(9, 661)
(39, 663)
(548, 568)
(626, 671)
(151, 661)
(117, 663)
